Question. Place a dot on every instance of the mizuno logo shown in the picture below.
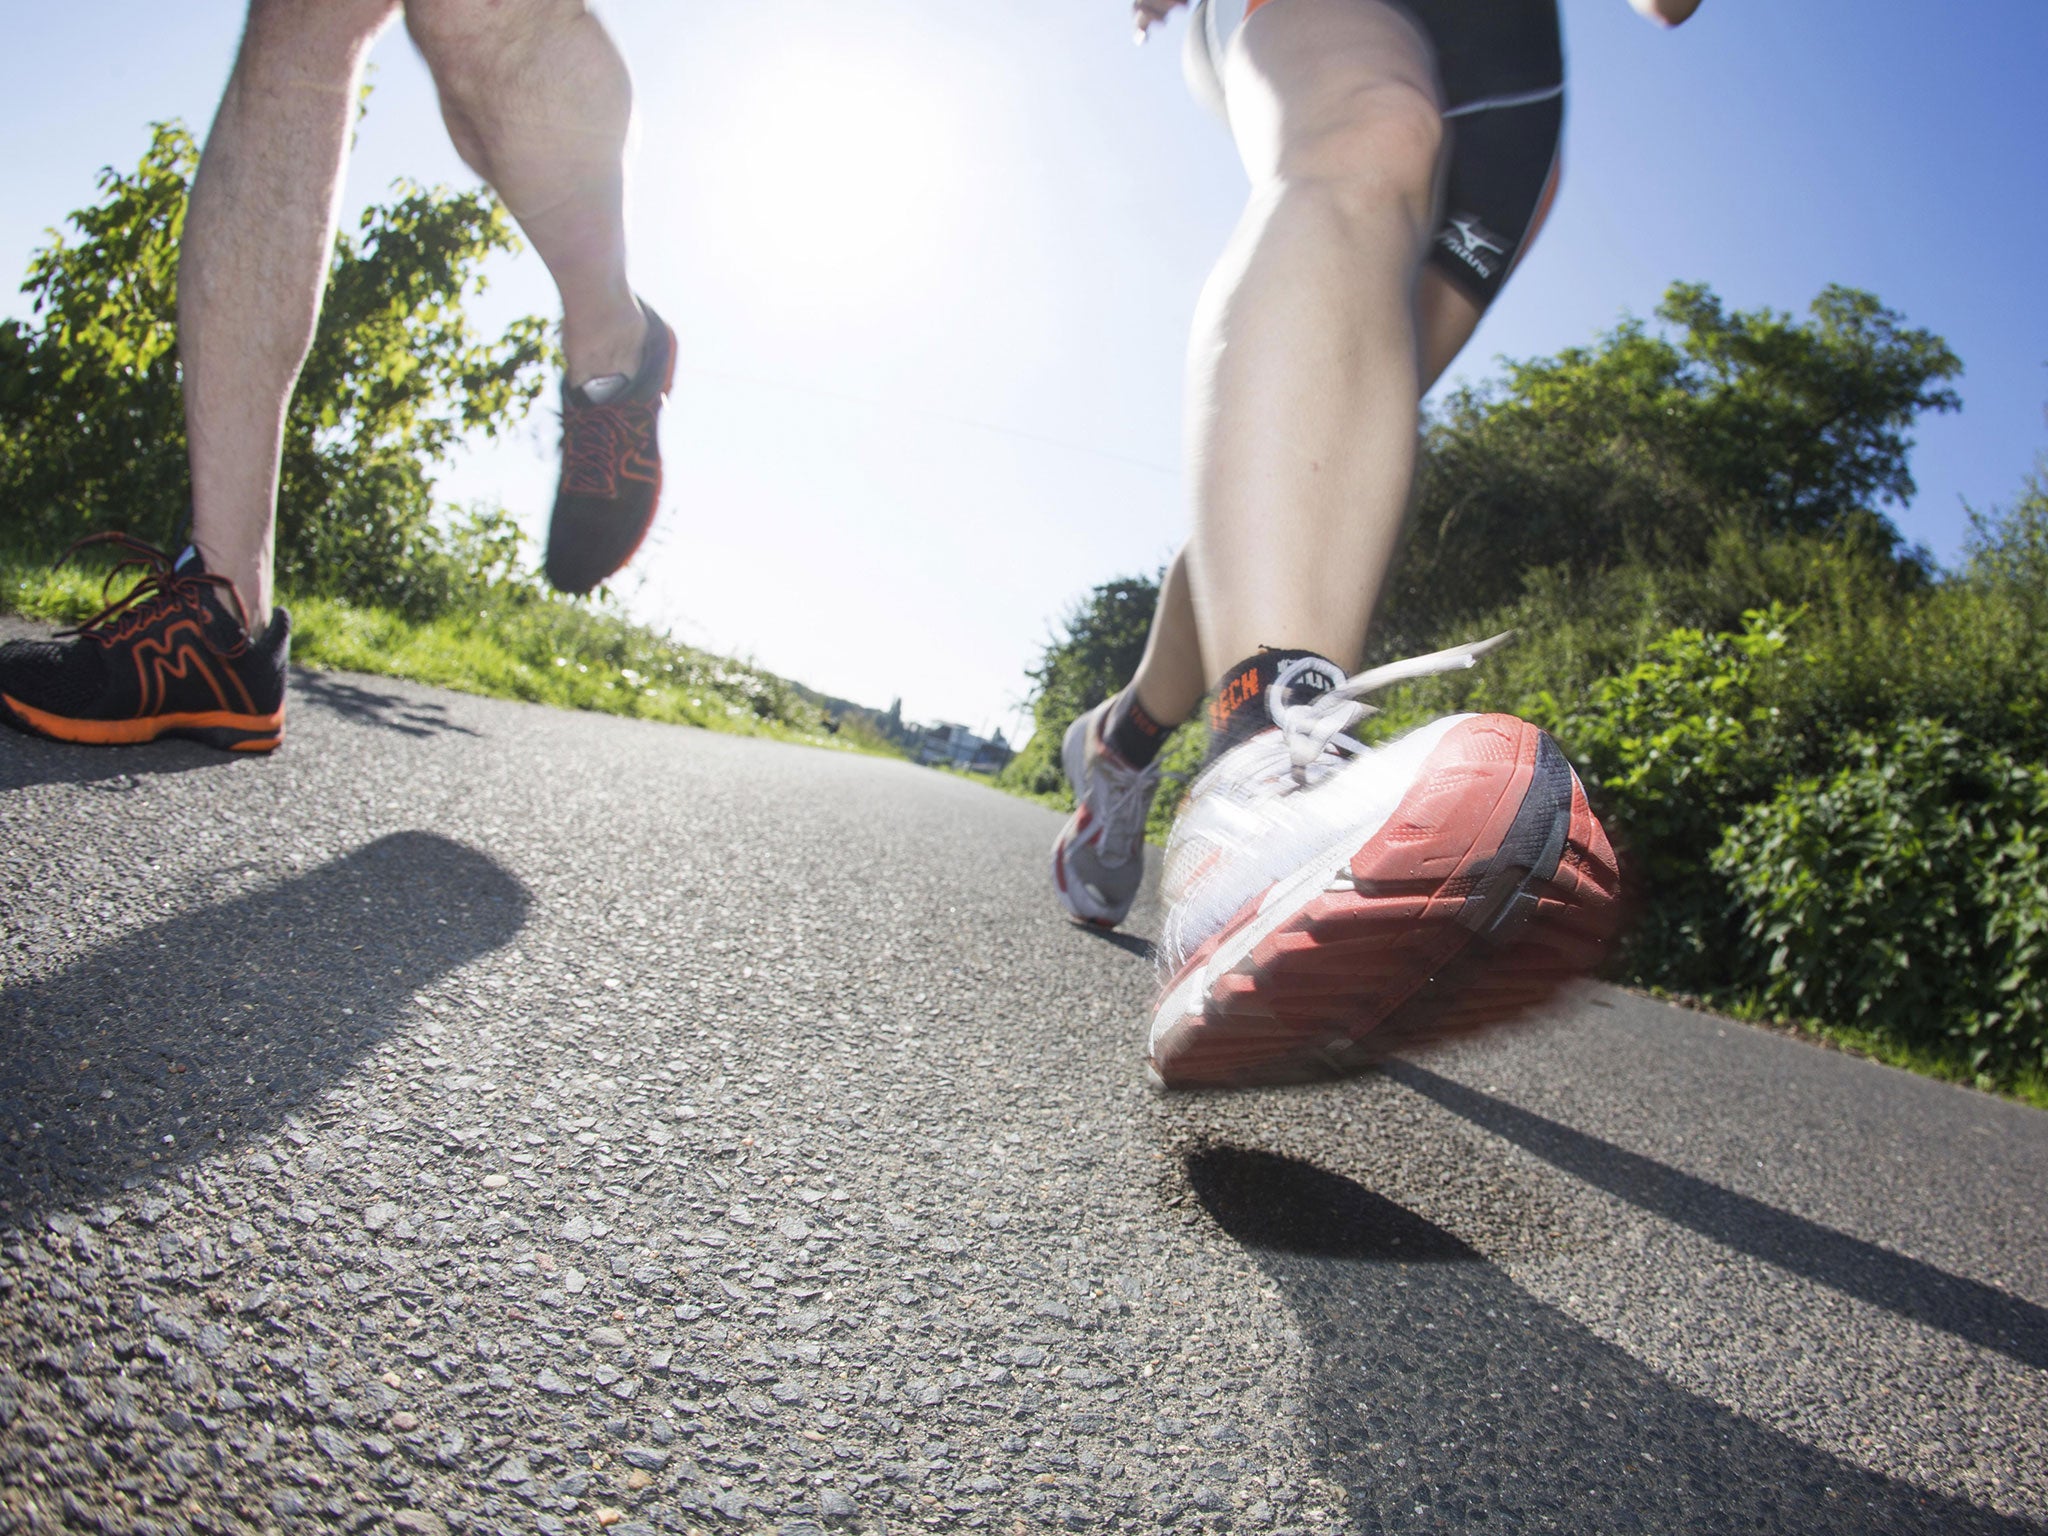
(1472, 243)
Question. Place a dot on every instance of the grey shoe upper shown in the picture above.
(1099, 860)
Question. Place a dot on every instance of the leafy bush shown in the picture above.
(1907, 892)
(1977, 653)
(92, 429)
(1095, 653)
(1179, 760)
(1672, 750)
(1572, 629)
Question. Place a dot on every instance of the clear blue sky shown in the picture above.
(933, 313)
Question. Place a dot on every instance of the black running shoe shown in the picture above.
(172, 658)
(611, 469)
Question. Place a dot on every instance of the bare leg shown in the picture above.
(1170, 681)
(1445, 317)
(538, 103)
(1171, 678)
(253, 265)
(1303, 369)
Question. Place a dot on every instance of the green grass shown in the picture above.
(515, 643)
(38, 590)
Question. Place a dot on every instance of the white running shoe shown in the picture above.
(1098, 863)
(1330, 904)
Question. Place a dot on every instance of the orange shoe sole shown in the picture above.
(1490, 887)
(229, 731)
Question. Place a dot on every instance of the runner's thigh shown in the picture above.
(1340, 90)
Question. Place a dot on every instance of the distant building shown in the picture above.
(957, 747)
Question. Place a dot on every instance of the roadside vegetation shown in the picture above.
(379, 576)
(1821, 755)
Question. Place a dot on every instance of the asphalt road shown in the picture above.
(482, 1118)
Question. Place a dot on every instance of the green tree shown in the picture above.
(1649, 444)
(92, 430)
(91, 417)
(1981, 657)
(1095, 653)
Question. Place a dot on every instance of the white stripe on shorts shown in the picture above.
(1213, 23)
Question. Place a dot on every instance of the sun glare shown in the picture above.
(834, 179)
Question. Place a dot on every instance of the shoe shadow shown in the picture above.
(1443, 1397)
(26, 761)
(196, 1033)
(1977, 1313)
(369, 706)
(1129, 943)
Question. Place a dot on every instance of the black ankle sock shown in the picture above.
(1239, 711)
(1131, 733)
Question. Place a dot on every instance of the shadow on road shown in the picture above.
(368, 706)
(26, 761)
(1977, 1313)
(1443, 1397)
(193, 1034)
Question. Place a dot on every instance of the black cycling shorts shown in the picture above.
(1501, 66)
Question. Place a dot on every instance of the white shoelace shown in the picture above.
(1311, 729)
(1122, 799)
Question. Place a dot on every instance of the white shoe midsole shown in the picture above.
(1279, 906)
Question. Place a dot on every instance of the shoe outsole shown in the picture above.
(225, 729)
(1425, 933)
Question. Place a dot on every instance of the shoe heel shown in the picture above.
(1506, 894)
(229, 738)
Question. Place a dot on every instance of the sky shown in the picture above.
(932, 264)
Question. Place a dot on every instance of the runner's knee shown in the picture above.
(1376, 144)
(485, 54)
(466, 43)
(476, 44)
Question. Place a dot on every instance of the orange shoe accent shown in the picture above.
(263, 732)
(178, 655)
(1235, 693)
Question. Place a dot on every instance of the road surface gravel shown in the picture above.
(482, 1118)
